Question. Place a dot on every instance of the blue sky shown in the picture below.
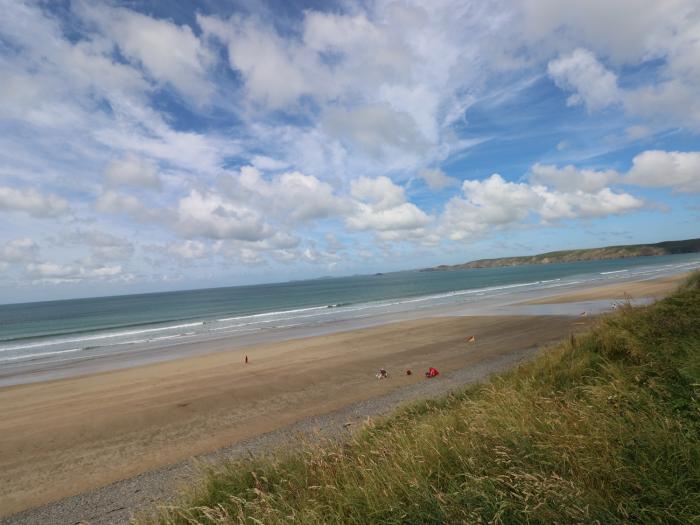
(150, 146)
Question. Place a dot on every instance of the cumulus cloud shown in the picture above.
(581, 204)
(262, 56)
(291, 194)
(382, 206)
(132, 171)
(570, 178)
(388, 80)
(32, 202)
(209, 214)
(373, 94)
(374, 129)
(437, 180)
(114, 202)
(381, 193)
(168, 52)
(653, 33)
(103, 245)
(677, 170)
(189, 249)
(580, 72)
(265, 163)
(23, 249)
(51, 272)
(495, 204)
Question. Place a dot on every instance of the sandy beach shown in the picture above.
(653, 289)
(65, 437)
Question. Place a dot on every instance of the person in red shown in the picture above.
(432, 372)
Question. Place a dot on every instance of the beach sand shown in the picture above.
(64, 437)
(652, 288)
(143, 425)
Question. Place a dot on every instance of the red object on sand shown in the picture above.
(432, 372)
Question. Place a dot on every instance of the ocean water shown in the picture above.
(65, 331)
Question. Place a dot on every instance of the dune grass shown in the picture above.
(604, 428)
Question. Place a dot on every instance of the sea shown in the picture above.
(69, 331)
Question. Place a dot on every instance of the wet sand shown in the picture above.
(63, 437)
(652, 288)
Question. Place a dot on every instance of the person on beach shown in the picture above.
(382, 374)
(246, 359)
(432, 372)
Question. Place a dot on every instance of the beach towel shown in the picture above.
(432, 372)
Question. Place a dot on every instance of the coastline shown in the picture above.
(58, 360)
(64, 437)
(58, 438)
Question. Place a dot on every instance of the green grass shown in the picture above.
(604, 428)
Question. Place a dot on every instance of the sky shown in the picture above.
(150, 146)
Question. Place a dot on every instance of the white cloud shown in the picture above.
(209, 214)
(22, 249)
(673, 101)
(31, 201)
(132, 171)
(406, 216)
(334, 111)
(189, 249)
(250, 257)
(50, 272)
(437, 180)
(494, 204)
(570, 178)
(265, 163)
(374, 129)
(581, 204)
(382, 206)
(677, 170)
(638, 132)
(388, 81)
(47, 270)
(262, 57)
(580, 72)
(291, 195)
(118, 203)
(381, 193)
(103, 245)
(169, 53)
(660, 34)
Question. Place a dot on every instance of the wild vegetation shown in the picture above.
(603, 428)
(591, 254)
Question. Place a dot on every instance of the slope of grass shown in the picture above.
(603, 428)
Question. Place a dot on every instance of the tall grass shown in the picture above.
(604, 428)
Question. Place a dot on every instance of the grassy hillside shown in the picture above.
(591, 254)
(603, 428)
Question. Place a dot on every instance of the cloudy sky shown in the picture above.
(167, 145)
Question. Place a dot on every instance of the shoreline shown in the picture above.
(93, 430)
(512, 300)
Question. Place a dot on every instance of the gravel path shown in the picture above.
(118, 502)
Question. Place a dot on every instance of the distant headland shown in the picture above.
(590, 254)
